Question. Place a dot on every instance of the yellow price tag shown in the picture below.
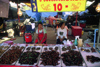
(31, 44)
(39, 44)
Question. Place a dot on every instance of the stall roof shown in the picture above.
(92, 7)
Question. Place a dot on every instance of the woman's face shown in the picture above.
(69, 17)
(63, 25)
(40, 26)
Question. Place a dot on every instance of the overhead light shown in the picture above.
(19, 12)
(98, 7)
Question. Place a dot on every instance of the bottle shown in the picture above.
(80, 43)
(75, 42)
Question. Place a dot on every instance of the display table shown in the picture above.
(15, 66)
(76, 31)
(42, 49)
(5, 39)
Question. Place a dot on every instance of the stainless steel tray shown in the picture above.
(10, 49)
(39, 62)
(96, 54)
(63, 65)
(5, 49)
(31, 46)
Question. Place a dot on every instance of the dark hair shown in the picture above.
(40, 23)
(68, 17)
(61, 23)
(29, 17)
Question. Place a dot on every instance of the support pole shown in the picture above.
(98, 40)
(18, 15)
(76, 18)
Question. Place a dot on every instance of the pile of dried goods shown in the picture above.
(72, 58)
(50, 58)
(29, 57)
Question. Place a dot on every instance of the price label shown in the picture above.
(58, 5)
(31, 44)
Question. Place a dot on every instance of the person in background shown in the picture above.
(59, 14)
(61, 33)
(69, 22)
(69, 19)
(41, 34)
(22, 29)
(10, 33)
(45, 19)
(56, 16)
(74, 23)
(51, 19)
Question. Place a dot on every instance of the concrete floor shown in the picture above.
(51, 37)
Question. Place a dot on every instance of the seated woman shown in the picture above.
(61, 33)
(41, 34)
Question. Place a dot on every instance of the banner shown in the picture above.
(34, 5)
(58, 5)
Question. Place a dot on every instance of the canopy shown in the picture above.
(66, 14)
(35, 15)
(4, 8)
(47, 14)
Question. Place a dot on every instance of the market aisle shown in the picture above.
(18, 40)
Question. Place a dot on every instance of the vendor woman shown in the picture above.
(61, 33)
(41, 34)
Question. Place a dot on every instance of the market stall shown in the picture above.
(68, 54)
(33, 55)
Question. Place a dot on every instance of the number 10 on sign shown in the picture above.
(57, 7)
